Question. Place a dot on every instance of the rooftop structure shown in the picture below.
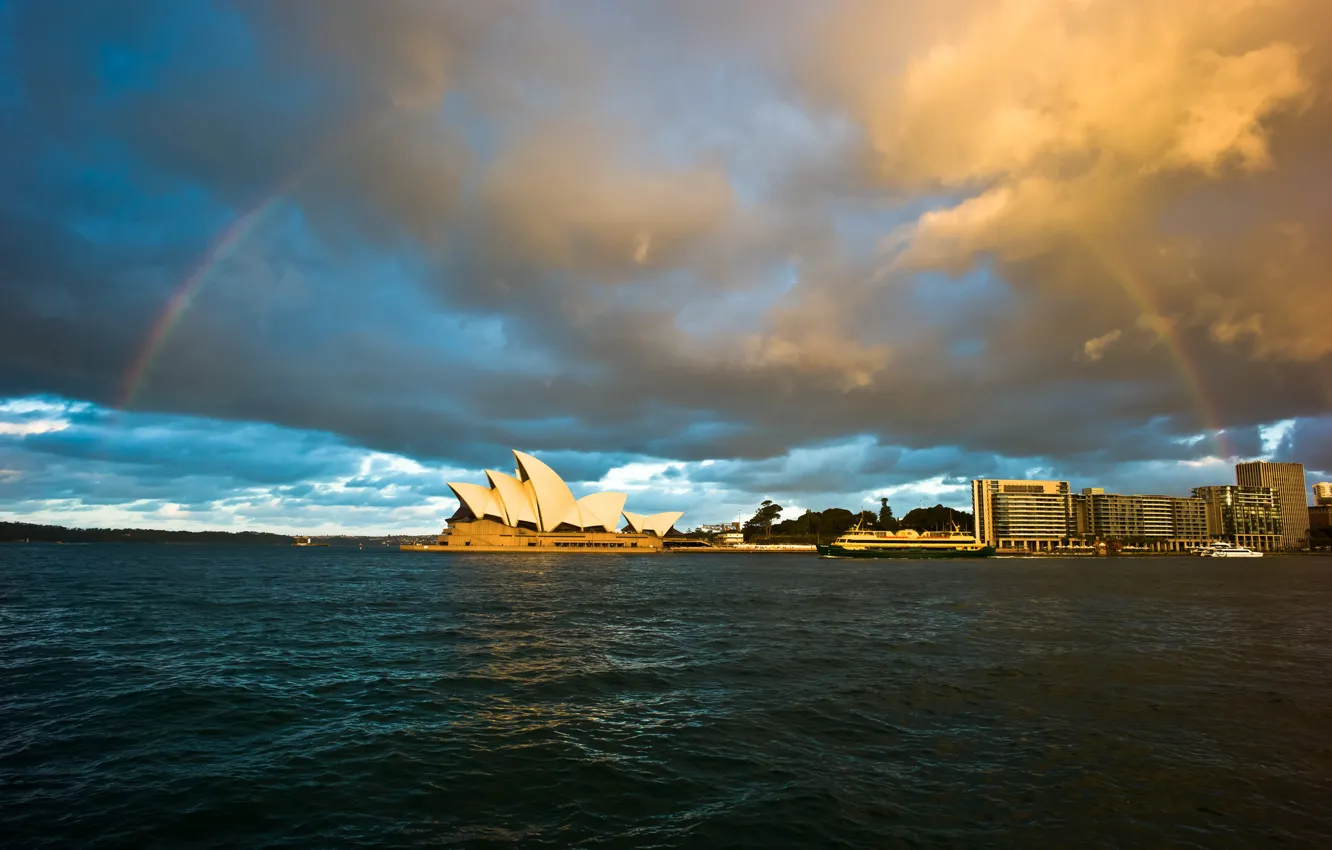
(1287, 480)
(1322, 493)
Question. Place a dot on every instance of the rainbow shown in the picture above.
(241, 227)
(1142, 297)
(183, 297)
(222, 247)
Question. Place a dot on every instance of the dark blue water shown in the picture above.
(174, 696)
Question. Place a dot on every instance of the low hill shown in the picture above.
(12, 531)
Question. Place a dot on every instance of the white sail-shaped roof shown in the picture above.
(553, 498)
(481, 501)
(658, 524)
(598, 510)
(635, 521)
(514, 498)
(538, 496)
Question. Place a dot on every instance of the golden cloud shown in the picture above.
(1066, 135)
(564, 197)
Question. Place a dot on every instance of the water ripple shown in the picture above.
(167, 696)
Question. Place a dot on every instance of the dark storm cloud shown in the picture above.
(1310, 442)
(672, 231)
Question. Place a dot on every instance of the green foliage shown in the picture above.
(886, 521)
(761, 522)
(937, 518)
(815, 526)
(10, 531)
(822, 525)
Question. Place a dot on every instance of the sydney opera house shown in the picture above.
(534, 510)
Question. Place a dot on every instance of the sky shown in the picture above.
(293, 265)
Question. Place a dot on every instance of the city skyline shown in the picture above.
(294, 266)
(1267, 509)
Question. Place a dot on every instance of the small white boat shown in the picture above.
(307, 541)
(1226, 550)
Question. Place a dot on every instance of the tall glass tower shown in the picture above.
(1287, 479)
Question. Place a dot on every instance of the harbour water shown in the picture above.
(156, 696)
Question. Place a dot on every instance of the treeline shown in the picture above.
(813, 526)
(15, 531)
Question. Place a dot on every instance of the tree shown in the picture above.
(837, 520)
(803, 525)
(762, 520)
(937, 518)
(887, 522)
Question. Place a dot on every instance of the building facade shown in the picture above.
(1287, 479)
(1320, 519)
(1019, 514)
(1190, 521)
(1244, 516)
(1320, 516)
(1322, 493)
(1162, 523)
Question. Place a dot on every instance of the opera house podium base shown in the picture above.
(485, 535)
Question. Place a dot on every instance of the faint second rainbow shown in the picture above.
(1141, 295)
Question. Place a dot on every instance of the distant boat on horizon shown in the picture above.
(305, 542)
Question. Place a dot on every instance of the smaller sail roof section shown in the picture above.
(513, 497)
(635, 521)
(663, 522)
(554, 500)
(481, 501)
(657, 524)
(598, 510)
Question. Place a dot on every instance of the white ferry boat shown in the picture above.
(307, 541)
(908, 543)
(1221, 549)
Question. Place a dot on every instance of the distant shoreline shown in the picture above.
(19, 532)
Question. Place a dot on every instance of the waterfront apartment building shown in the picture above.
(1019, 514)
(1245, 516)
(1163, 523)
(1322, 493)
(1287, 479)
